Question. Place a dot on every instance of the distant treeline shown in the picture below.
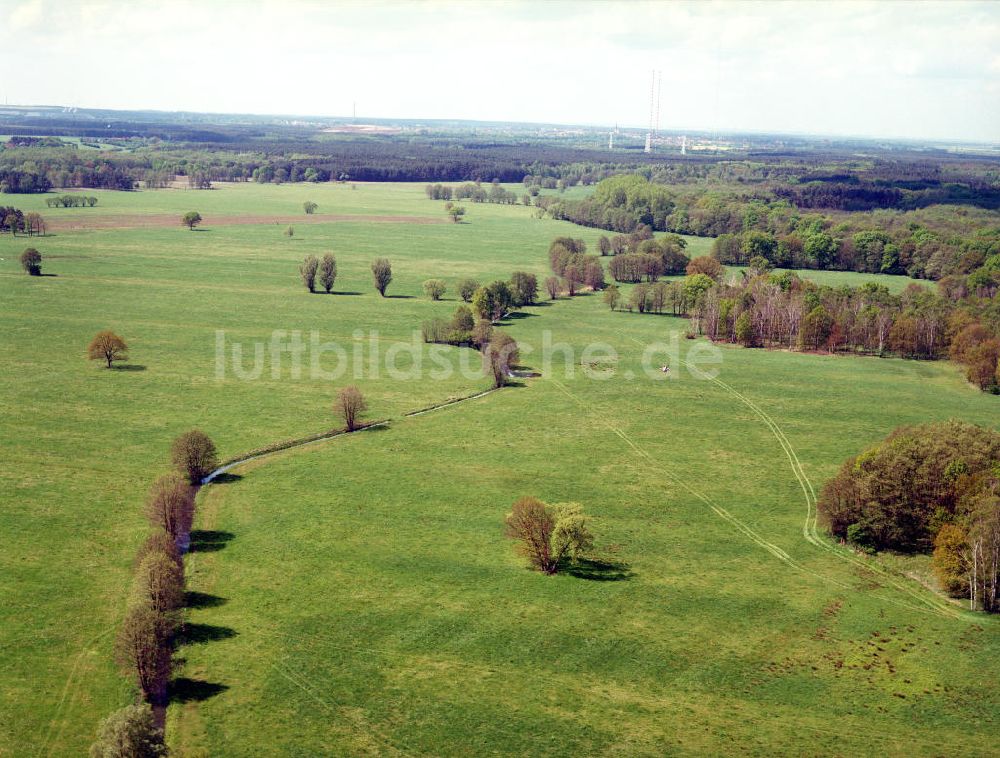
(930, 243)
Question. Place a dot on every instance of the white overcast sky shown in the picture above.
(893, 69)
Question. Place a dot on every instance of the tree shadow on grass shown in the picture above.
(599, 571)
(399, 297)
(199, 634)
(129, 367)
(194, 599)
(226, 478)
(346, 292)
(184, 690)
(516, 316)
(203, 541)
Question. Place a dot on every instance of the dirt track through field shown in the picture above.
(165, 221)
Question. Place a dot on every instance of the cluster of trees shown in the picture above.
(549, 536)
(500, 352)
(71, 201)
(17, 182)
(573, 268)
(145, 641)
(929, 487)
(931, 243)
(325, 269)
(475, 192)
(767, 309)
(13, 220)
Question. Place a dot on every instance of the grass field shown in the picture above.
(357, 596)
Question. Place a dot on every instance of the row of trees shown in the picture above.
(71, 201)
(934, 486)
(146, 639)
(765, 309)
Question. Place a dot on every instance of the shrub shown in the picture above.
(434, 288)
(351, 404)
(548, 535)
(130, 732)
(31, 261)
(467, 288)
(194, 455)
(309, 207)
(612, 296)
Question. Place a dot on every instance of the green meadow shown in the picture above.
(357, 596)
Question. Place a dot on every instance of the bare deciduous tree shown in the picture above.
(350, 405)
(170, 505)
(308, 272)
(552, 286)
(500, 355)
(142, 649)
(160, 583)
(107, 346)
(382, 274)
(548, 535)
(328, 272)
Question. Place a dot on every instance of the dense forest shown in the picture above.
(931, 242)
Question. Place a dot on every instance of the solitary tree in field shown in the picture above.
(31, 261)
(467, 288)
(107, 346)
(130, 731)
(194, 455)
(548, 535)
(170, 505)
(382, 274)
(308, 271)
(604, 244)
(350, 405)
(434, 289)
(456, 212)
(328, 272)
(191, 219)
(309, 207)
(289, 232)
(500, 355)
(143, 650)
